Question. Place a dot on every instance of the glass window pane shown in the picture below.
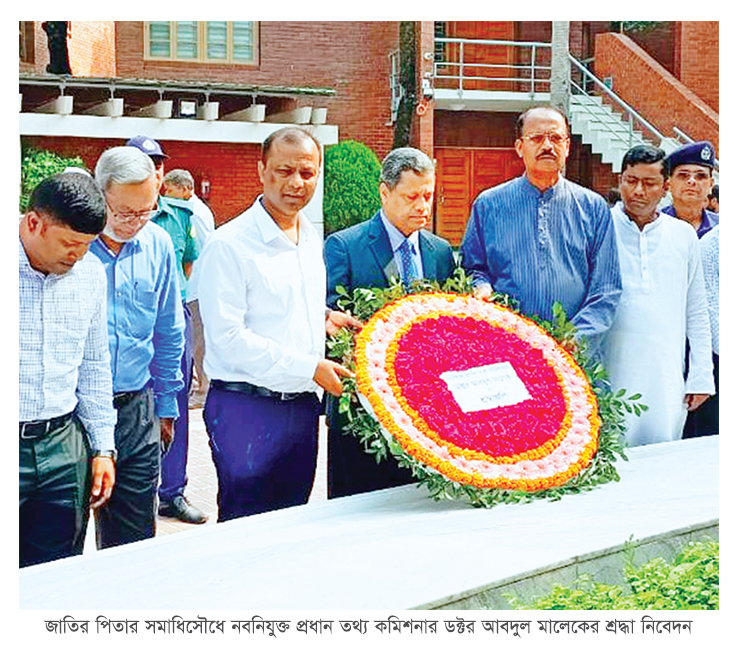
(187, 40)
(243, 46)
(216, 40)
(159, 38)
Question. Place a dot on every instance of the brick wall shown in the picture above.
(349, 57)
(649, 88)
(91, 49)
(230, 168)
(699, 59)
(90, 46)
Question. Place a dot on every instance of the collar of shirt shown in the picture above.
(269, 229)
(397, 238)
(533, 191)
(25, 265)
(709, 219)
(164, 202)
(618, 211)
(132, 246)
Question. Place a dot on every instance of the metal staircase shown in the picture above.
(606, 123)
(466, 75)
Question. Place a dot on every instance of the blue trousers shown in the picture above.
(264, 450)
(173, 471)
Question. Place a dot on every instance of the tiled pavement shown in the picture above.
(201, 489)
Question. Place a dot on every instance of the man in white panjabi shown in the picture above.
(663, 305)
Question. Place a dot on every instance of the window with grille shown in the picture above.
(233, 42)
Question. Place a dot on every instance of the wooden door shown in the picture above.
(453, 192)
(462, 173)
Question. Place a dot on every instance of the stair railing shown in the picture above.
(634, 119)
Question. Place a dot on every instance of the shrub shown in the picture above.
(37, 165)
(690, 582)
(352, 173)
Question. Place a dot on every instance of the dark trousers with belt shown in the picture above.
(350, 468)
(129, 515)
(173, 471)
(53, 490)
(264, 450)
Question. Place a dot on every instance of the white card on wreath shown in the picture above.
(486, 387)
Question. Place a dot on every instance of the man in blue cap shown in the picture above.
(690, 182)
(174, 216)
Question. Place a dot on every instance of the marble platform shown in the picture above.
(393, 549)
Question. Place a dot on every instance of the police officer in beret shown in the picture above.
(690, 181)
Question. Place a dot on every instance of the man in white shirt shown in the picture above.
(262, 287)
(663, 305)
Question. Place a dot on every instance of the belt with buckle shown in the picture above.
(38, 429)
(120, 399)
(256, 390)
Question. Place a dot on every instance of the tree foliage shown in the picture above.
(352, 173)
(37, 165)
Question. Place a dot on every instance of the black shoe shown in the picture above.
(183, 510)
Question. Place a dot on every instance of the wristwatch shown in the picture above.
(106, 453)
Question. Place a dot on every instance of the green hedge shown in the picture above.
(690, 582)
(37, 165)
(352, 173)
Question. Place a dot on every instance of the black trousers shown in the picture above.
(53, 494)
(706, 419)
(130, 513)
(351, 469)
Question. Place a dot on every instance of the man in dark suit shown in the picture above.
(392, 243)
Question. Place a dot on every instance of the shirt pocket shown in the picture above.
(66, 327)
(143, 312)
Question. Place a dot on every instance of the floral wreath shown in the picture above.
(413, 397)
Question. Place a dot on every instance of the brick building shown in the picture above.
(212, 91)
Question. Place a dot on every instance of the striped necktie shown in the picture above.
(409, 268)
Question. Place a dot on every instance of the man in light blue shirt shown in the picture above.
(543, 239)
(175, 217)
(145, 323)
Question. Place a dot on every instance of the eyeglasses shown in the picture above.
(556, 139)
(700, 177)
(140, 216)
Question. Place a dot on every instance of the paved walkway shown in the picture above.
(202, 488)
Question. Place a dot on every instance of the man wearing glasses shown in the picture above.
(543, 239)
(175, 217)
(145, 327)
(690, 182)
